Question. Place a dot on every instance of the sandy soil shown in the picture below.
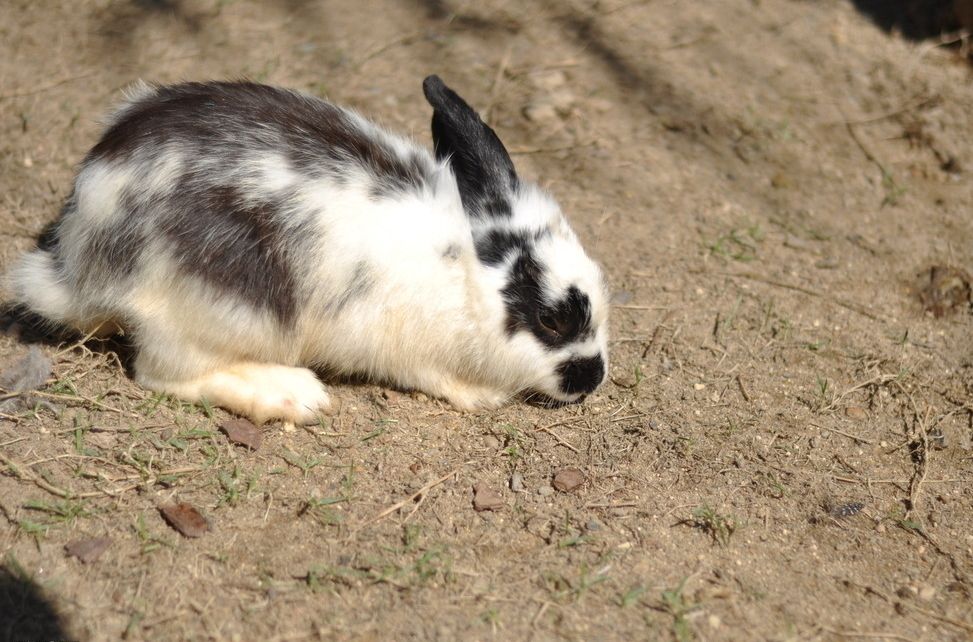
(784, 451)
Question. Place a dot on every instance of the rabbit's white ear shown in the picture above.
(484, 172)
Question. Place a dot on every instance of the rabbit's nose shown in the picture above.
(581, 375)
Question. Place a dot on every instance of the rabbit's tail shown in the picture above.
(39, 284)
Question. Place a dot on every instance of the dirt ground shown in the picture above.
(784, 450)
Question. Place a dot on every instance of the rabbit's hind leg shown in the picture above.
(260, 391)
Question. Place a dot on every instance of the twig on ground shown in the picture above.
(743, 390)
(916, 102)
(520, 151)
(47, 87)
(845, 434)
(626, 306)
(854, 634)
(876, 380)
(405, 39)
(922, 457)
(21, 472)
(966, 626)
(80, 342)
(566, 422)
(495, 87)
(419, 493)
(557, 437)
(861, 145)
(87, 400)
(848, 305)
(900, 482)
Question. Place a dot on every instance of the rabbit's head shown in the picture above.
(551, 303)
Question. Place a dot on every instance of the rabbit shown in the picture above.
(245, 236)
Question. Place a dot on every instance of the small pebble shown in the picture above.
(927, 593)
(592, 526)
(846, 510)
(600, 104)
(545, 491)
(490, 442)
(485, 498)
(856, 412)
(88, 550)
(517, 483)
(549, 80)
(243, 432)
(185, 518)
(797, 243)
(568, 479)
(563, 101)
(621, 297)
(540, 112)
(781, 180)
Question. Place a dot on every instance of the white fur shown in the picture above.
(36, 282)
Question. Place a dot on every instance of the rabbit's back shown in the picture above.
(228, 183)
(233, 122)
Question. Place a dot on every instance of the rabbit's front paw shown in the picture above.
(291, 394)
(258, 390)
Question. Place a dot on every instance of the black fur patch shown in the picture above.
(581, 375)
(484, 172)
(112, 250)
(497, 244)
(494, 246)
(227, 120)
(570, 316)
(239, 247)
(555, 325)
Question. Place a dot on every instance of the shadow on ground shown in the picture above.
(916, 19)
(24, 612)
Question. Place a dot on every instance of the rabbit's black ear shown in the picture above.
(483, 169)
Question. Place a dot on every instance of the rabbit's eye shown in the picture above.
(550, 324)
